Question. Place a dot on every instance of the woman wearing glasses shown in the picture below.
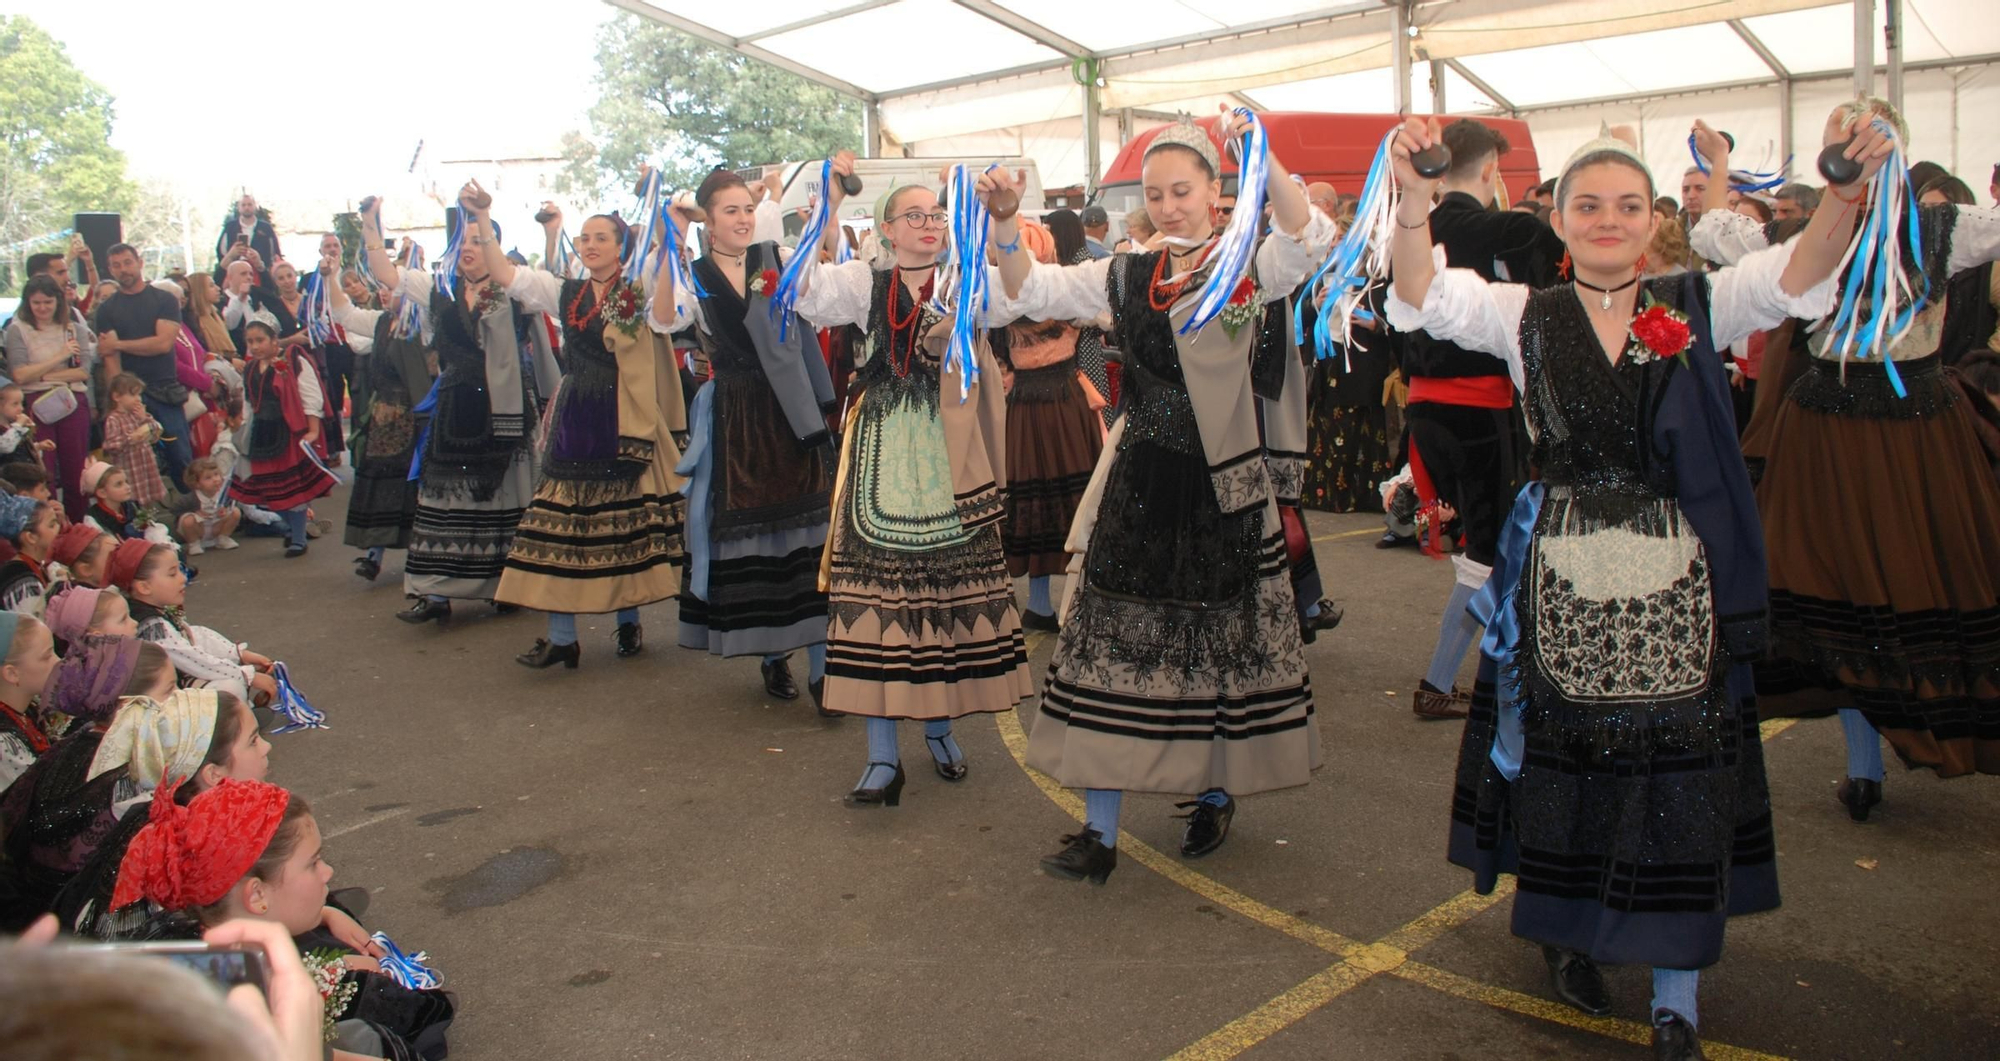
(924, 625)
(1179, 667)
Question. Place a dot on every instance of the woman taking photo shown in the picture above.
(48, 350)
(1180, 667)
(1620, 775)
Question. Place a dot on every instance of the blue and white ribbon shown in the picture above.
(787, 295)
(673, 251)
(1751, 181)
(566, 265)
(1357, 264)
(424, 409)
(406, 969)
(844, 252)
(314, 313)
(410, 312)
(447, 273)
(962, 287)
(289, 703)
(1879, 300)
(639, 254)
(1230, 261)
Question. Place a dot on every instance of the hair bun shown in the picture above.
(718, 181)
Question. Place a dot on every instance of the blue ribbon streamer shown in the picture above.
(565, 264)
(410, 312)
(966, 282)
(314, 313)
(406, 969)
(1495, 608)
(640, 253)
(424, 409)
(289, 703)
(1878, 301)
(1238, 242)
(670, 246)
(1346, 270)
(1753, 181)
(787, 295)
(447, 273)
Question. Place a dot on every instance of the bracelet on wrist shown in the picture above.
(1008, 248)
(1425, 223)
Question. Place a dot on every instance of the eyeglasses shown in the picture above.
(916, 218)
(1225, 211)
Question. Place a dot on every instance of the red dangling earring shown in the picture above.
(1562, 267)
(1640, 269)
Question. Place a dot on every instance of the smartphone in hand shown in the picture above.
(226, 965)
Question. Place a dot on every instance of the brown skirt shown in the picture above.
(1882, 529)
(1053, 440)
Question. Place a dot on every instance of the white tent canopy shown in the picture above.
(978, 76)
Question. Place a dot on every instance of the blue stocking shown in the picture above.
(1864, 746)
(944, 747)
(881, 749)
(1214, 797)
(375, 553)
(562, 628)
(1455, 635)
(1100, 812)
(1673, 989)
(816, 662)
(1038, 595)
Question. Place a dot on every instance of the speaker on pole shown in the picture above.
(99, 232)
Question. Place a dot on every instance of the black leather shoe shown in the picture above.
(546, 654)
(425, 610)
(500, 608)
(367, 567)
(778, 679)
(629, 640)
(1674, 1038)
(1084, 856)
(1392, 540)
(1859, 795)
(1207, 826)
(947, 768)
(294, 551)
(1038, 621)
(817, 687)
(1577, 980)
(888, 795)
(1329, 617)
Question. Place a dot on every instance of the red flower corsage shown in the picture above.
(765, 282)
(1659, 331)
(1242, 308)
(1244, 289)
(624, 308)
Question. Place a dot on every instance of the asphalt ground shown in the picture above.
(649, 858)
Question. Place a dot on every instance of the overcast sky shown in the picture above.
(324, 98)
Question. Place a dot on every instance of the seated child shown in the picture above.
(17, 440)
(286, 404)
(129, 434)
(80, 556)
(112, 509)
(32, 527)
(201, 517)
(27, 655)
(247, 849)
(157, 590)
(78, 612)
(28, 480)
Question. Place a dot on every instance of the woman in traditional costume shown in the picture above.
(1179, 667)
(603, 533)
(1882, 516)
(394, 370)
(1618, 770)
(495, 371)
(924, 625)
(760, 457)
(1054, 436)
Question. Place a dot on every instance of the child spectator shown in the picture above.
(129, 434)
(28, 480)
(157, 589)
(27, 655)
(286, 404)
(80, 612)
(32, 527)
(17, 441)
(79, 556)
(201, 517)
(112, 509)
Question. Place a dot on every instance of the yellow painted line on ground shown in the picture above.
(1272, 1017)
(1771, 727)
(1349, 534)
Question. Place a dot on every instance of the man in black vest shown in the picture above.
(1467, 446)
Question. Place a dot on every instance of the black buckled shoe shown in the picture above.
(1674, 1039)
(953, 770)
(367, 567)
(1329, 616)
(778, 678)
(1859, 795)
(630, 640)
(425, 610)
(1084, 856)
(1207, 826)
(547, 654)
(1038, 621)
(888, 795)
(1577, 981)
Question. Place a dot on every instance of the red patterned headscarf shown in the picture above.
(71, 543)
(188, 857)
(125, 561)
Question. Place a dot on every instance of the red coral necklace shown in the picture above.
(897, 327)
(596, 308)
(1160, 294)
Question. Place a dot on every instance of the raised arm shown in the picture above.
(360, 323)
(475, 206)
(1410, 247)
(1712, 147)
(374, 250)
(551, 233)
(1820, 247)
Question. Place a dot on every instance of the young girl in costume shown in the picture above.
(112, 509)
(286, 402)
(157, 590)
(32, 527)
(77, 611)
(1620, 773)
(80, 557)
(27, 655)
(1179, 667)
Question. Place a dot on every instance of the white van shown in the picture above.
(879, 175)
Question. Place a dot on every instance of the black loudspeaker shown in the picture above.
(99, 232)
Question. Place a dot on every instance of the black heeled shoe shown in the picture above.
(953, 770)
(1038, 621)
(1328, 617)
(888, 795)
(425, 610)
(501, 608)
(778, 678)
(1083, 857)
(817, 687)
(1577, 981)
(367, 567)
(1674, 1039)
(629, 640)
(1859, 795)
(547, 654)
(1207, 826)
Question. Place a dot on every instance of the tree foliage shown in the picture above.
(56, 156)
(666, 96)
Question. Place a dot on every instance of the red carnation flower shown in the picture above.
(1244, 289)
(1661, 333)
(770, 278)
